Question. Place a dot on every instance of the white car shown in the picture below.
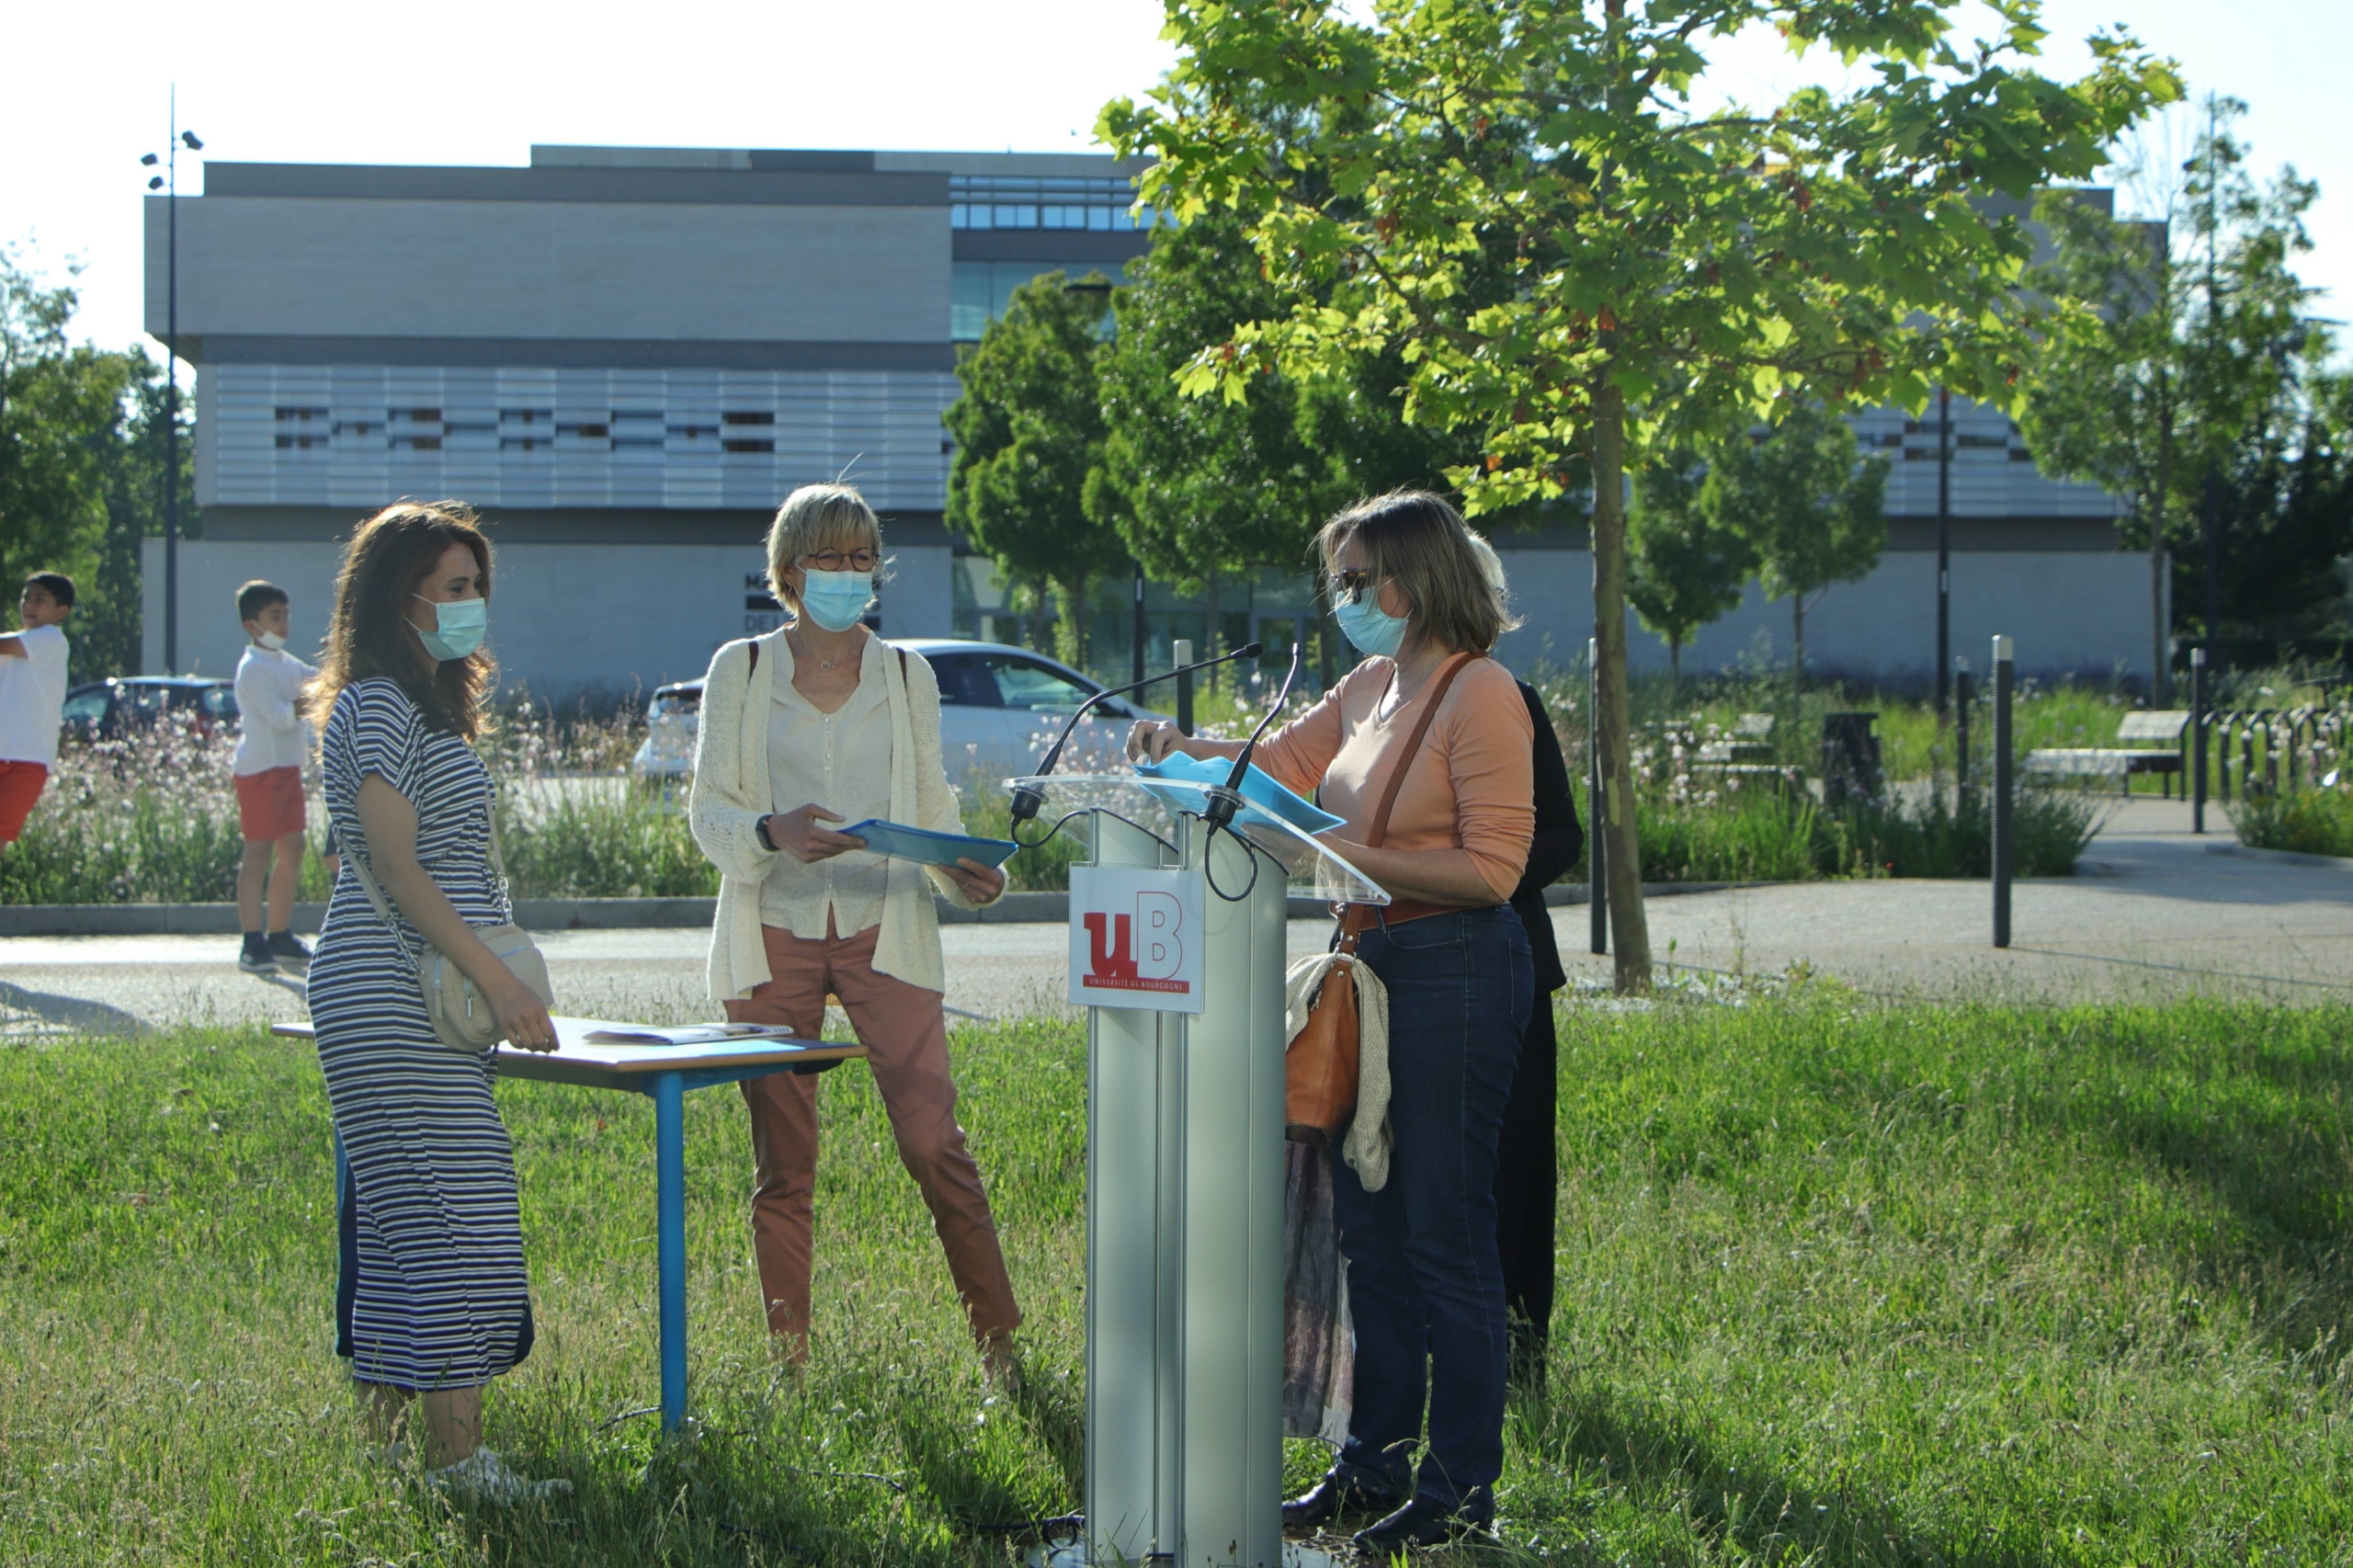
(1000, 707)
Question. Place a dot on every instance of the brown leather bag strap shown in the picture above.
(1413, 745)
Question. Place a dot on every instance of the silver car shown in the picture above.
(1000, 707)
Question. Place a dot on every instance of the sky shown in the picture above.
(433, 82)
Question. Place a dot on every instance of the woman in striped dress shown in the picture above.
(431, 1300)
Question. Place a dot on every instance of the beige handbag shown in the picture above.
(460, 1014)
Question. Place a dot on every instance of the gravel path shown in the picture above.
(2161, 913)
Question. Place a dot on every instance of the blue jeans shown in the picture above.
(1425, 1282)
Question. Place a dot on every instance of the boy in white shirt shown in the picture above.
(32, 696)
(271, 740)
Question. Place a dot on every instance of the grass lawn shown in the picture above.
(1838, 1285)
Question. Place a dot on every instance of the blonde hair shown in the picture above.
(815, 518)
(1452, 577)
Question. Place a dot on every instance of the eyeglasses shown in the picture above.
(1347, 587)
(835, 561)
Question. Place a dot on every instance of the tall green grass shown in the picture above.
(1838, 1286)
(2308, 822)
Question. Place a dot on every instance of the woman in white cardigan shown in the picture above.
(822, 722)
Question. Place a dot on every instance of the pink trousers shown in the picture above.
(905, 1034)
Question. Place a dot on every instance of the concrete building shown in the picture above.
(626, 356)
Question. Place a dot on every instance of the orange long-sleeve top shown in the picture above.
(1471, 786)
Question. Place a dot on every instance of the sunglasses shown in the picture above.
(835, 560)
(1348, 587)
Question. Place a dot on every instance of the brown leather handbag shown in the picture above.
(1320, 1066)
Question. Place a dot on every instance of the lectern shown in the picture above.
(1181, 961)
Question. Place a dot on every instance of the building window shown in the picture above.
(981, 291)
(748, 446)
(1086, 203)
(417, 443)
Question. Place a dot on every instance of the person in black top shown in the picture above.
(1528, 1176)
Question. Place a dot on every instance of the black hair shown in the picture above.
(258, 595)
(57, 585)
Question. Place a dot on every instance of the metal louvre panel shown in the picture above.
(575, 436)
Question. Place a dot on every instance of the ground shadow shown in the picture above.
(1764, 1515)
(76, 1013)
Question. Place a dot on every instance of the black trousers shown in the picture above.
(1527, 1186)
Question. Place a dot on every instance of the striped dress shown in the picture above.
(431, 1291)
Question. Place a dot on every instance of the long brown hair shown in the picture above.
(389, 558)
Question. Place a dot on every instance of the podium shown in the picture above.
(1185, 1172)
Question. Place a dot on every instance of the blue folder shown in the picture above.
(930, 848)
(1257, 788)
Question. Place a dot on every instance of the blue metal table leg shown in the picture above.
(670, 1239)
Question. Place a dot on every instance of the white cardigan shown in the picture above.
(730, 795)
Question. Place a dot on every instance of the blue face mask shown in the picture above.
(1373, 630)
(837, 600)
(461, 622)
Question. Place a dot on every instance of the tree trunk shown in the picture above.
(2161, 635)
(1209, 648)
(1614, 812)
(1797, 645)
(1070, 621)
(1675, 666)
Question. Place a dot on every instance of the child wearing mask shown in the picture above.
(270, 743)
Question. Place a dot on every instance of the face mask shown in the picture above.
(271, 640)
(837, 600)
(1371, 629)
(461, 622)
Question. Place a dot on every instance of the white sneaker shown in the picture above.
(482, 1477)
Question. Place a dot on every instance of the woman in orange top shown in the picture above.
(1425, 1283)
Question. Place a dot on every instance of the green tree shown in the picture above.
(2187, 355)
(1199, 490)
(1683, 570)
(1524, 200)
(81, 465)
(1809, 505)
(1030, 432)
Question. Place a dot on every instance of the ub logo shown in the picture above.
(1142, 951)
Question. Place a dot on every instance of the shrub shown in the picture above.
(2308, 822)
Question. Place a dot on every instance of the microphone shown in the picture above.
(1028, 799)
(1226, 799)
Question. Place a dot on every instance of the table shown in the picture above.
(665, 1072)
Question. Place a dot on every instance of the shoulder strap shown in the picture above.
(1413, 745)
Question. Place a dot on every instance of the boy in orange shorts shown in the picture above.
(271, 740)
(32, 696)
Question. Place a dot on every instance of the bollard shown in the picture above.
(2003, 768)
(1597, 882)
(1962, 700)
(1181, 654)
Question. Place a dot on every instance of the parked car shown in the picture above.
(107, 709)
(1000, 707)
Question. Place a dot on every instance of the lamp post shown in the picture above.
(169, 183)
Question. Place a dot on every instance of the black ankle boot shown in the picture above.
(1426, 1522)
(1336, 1497)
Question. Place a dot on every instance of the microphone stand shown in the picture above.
(1028, 799)
(1225, 800)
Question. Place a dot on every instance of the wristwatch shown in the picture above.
(761, 827)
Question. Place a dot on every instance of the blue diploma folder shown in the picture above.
(930, 848)
(1257, 789)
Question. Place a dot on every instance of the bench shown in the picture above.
(1749, 748)
(2164, 726)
